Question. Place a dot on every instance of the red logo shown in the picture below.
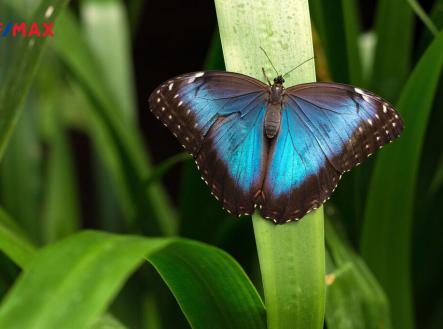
(26, 30)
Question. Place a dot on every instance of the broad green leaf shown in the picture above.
(338, 27)
(386, 237)
(14, 243)
(106, 30)
(196, 283)
(79, 276)
(354, 299)
(394, 33)
(18, 77)
(76, 277)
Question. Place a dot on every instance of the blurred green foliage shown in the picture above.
(383, 236)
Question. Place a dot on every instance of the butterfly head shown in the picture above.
(279, 81)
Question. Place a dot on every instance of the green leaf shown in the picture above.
(14, 243)
(394, 32)
(338, 27)
(107, 32)
(188, 266)
(79, 276)
(427, 21)
(18, 77)
(123, 149)
(386, 237)
(354, 298)
(292, 263)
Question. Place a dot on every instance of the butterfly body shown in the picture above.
(281, 150)
(273, 112)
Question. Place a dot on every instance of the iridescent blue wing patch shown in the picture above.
(326, 130)
(218, 118)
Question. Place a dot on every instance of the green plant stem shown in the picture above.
(292, 263)
(292, 258)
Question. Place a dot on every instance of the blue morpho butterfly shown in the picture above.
(282, 150)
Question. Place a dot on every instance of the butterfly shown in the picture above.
(267, 147)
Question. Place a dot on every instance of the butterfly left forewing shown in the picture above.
(189, 104)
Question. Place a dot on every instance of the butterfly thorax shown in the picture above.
(273, 110)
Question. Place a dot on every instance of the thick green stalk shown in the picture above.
(291, 256)
(292, 263)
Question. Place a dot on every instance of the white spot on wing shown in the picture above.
(359, 91)
(170, 86)
(199, 74)
(385, 109)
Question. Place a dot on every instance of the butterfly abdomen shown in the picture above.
(272, 120)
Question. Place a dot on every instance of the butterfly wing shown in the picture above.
(326, 130)
(218, 118)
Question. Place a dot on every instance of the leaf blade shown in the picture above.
(388, 257)
(79, 276)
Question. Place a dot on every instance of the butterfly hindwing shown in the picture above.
(299, 176)
(232, 159)
(326, 130)
(218, 118)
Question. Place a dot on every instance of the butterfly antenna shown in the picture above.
(310, 59)
(269, 60)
